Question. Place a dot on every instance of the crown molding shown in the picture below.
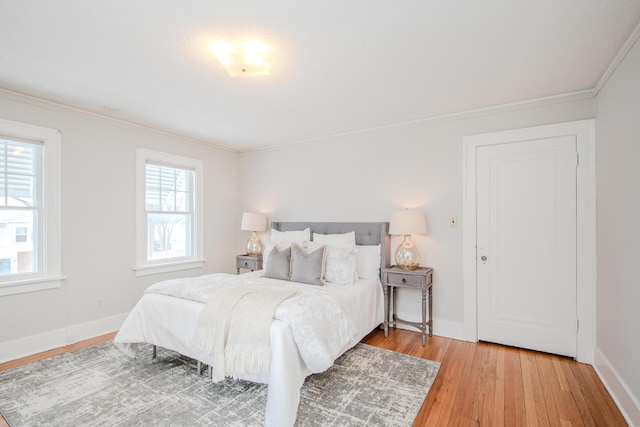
(54, 105)
(622, 53)
(467, 114)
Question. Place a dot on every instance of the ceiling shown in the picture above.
(336, 66)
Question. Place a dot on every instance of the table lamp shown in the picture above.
(406, 223)
(254, 222)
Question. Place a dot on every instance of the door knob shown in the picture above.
(483, 258)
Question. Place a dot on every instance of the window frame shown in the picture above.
(49, 274)
(145, 266)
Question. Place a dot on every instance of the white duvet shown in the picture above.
(322, 326)
(309, 331)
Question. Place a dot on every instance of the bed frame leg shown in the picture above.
(155, 352)
(199, 367)
(210, 372)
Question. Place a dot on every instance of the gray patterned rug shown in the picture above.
(98, 386)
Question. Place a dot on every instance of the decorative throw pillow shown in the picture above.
(340, 265)
(308, 268)
(268, 247)
(368, 261)
(279, 265)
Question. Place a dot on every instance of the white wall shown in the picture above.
(98, 226)
(618, 232)
(365, 176)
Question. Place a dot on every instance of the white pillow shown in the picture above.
(340, 263)
(345, 239)
(287, 238)
(368, 261)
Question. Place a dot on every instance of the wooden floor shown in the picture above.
(481, 384)
(484, 384)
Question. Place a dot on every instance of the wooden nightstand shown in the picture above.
(420, 278)
(248, 262)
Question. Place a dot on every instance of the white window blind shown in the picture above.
(21, 205)
(169, 207)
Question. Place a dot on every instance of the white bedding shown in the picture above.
(170, 322)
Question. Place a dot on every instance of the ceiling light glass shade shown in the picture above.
(407, 223)
(246, 59)
(254, 222)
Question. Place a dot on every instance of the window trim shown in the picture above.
(143, 266)
(50, 276)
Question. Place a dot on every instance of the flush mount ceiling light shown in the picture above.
(242, 59)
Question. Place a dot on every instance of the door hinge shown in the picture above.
(577, 159)
(577, 325)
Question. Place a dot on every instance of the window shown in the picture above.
(169, 212)
(29, 208)
(5, 266)
(21, 234)
(20, 203)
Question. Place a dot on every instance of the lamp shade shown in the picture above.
(253, 222)
(407, 222)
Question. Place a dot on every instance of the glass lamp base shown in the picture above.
(407, 255)
(254, 245)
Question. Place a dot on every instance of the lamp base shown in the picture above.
(407, 255)
(254, 245)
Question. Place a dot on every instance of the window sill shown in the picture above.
(146, 270)
(31, 285)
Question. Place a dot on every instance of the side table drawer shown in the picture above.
(405, 279)
(244, 263)
(248, 262)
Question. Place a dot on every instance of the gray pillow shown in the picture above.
(308, 268)
(279, 265)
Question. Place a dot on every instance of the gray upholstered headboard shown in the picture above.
(367, 233)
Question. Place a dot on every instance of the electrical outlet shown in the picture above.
(453, 222)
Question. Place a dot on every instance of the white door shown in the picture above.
(526, 244)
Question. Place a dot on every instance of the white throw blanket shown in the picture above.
(320, 324)
(234, 328)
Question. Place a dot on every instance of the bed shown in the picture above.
(170, 321)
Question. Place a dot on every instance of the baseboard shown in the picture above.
(622, 396)
(22, 347)
(442, 328)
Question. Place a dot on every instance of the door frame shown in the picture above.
(584, 131)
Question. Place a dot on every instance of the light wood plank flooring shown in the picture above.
(484, 384)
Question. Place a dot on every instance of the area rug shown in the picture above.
(98, 386)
